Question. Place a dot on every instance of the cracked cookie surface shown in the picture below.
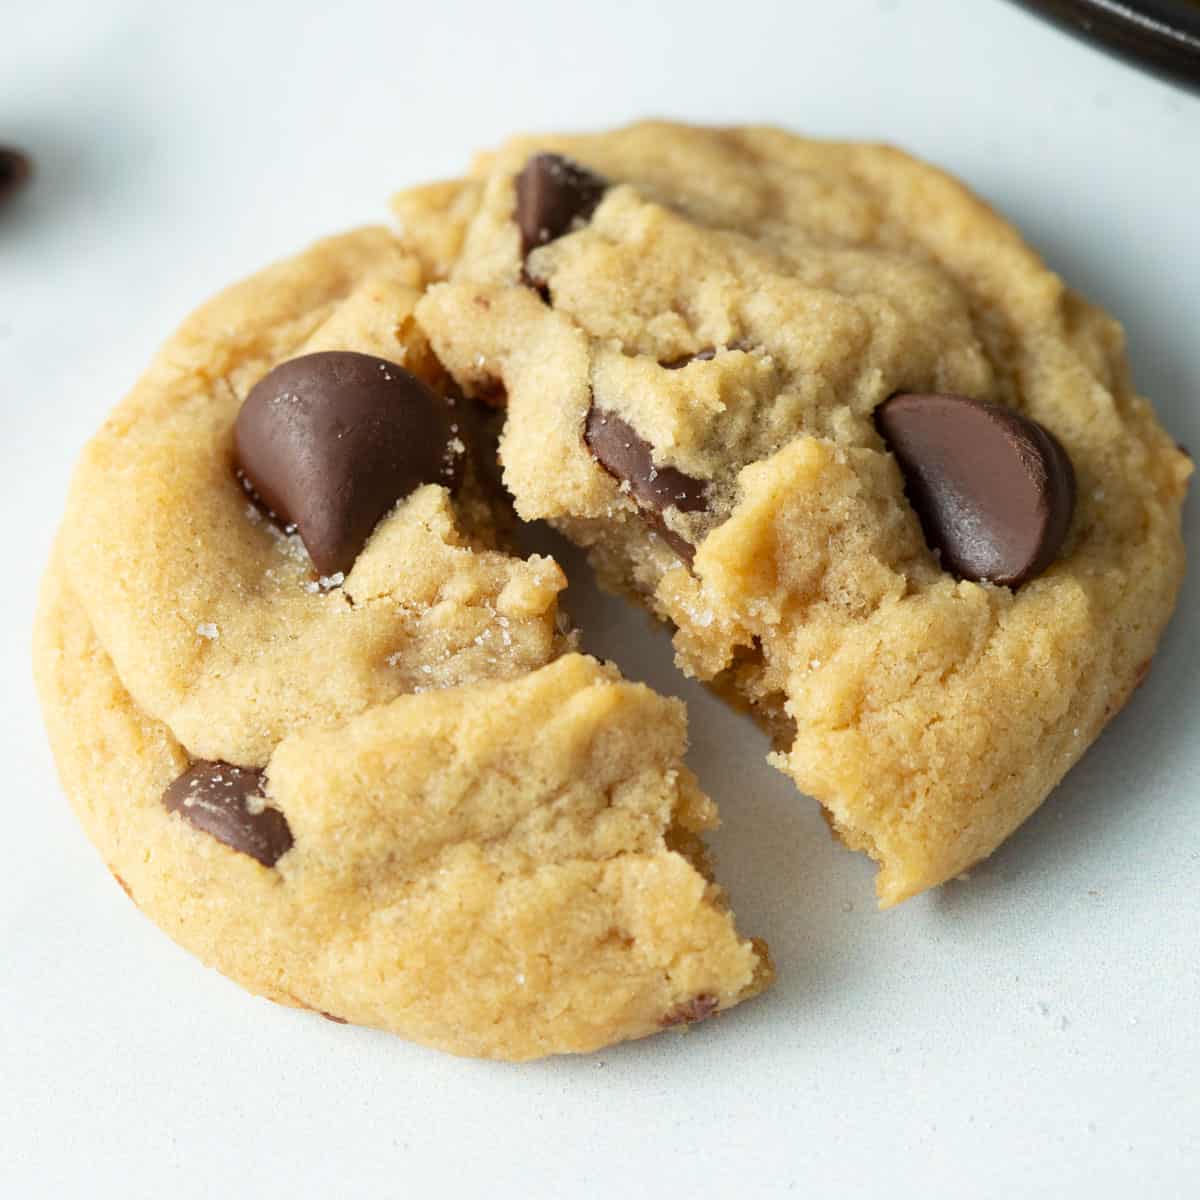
(396, 795)
(738, 304)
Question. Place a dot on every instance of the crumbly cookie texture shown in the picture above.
(743, 301)
(481, 840)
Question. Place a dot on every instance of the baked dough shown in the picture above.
(743, 301)
(490, 843)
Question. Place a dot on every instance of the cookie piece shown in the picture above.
(217, 619)
(392, 793)
(734, 312)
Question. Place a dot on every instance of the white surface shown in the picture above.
(1034, 1032)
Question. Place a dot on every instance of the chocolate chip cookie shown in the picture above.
(814, 405)
(328, 731)
(823, 412)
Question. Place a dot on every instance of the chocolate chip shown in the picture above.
(492, 393)
(15, 169)
(994, 490)
(621, 452)
(552, 194)
(331, 1017)
(215, 797)
(628, 457)
(331, 441)
(698, 1008)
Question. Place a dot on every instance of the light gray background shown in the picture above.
(1032, 1032)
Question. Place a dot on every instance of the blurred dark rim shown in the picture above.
(1162, 36)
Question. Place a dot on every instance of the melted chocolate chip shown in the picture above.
(628, 457)
(552, 194)
(994, 490)
(621, 452)
(15, 169)
(698, 1008)
(331, 441)
(492, 393)
(215, 797)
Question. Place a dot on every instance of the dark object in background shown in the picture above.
(1162, 36)
(15, 169)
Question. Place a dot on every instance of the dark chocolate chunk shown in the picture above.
(216, 797)
(331, 441)
(994, 490)
(627, 457)
(698, 1008)
(552, 194)
(622, 453)
(15, 169)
